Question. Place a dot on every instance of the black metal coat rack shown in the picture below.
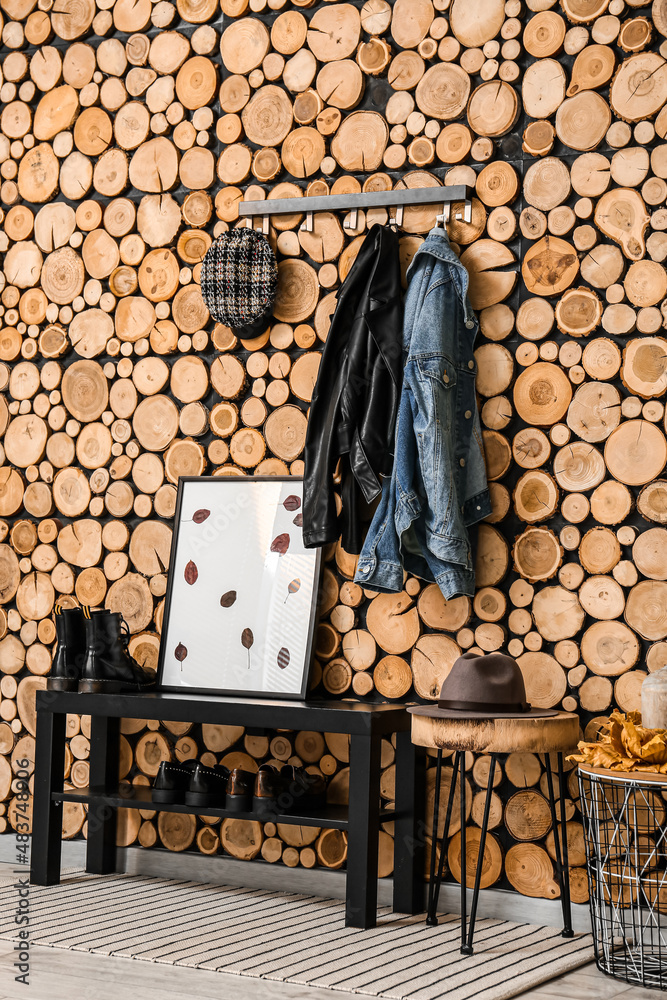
(398, 199)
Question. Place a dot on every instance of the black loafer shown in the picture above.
(172, 780)
(207, 786)
(307, 791)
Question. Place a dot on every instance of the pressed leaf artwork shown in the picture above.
(280, 543)
(247, 639)
(256, 650)
(180, 653)
(199, 516)
(294, 586)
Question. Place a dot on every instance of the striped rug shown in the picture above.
(290, 938)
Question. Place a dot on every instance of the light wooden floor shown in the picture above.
(67, 975)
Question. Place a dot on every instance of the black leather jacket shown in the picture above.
(355, 402)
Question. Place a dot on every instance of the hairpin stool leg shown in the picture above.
(562, 871)
(431, 918)
(565, 887)
(435, 883)
(465, 947)
(480, 858)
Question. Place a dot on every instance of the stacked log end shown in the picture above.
(126, 147)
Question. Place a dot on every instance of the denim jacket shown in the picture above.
(438, 485)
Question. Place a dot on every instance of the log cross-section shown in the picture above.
(131, 136)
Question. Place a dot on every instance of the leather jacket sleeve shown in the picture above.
(354, 405)
(321, 453)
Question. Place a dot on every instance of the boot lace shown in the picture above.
(125, 634)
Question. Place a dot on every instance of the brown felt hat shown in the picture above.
(487, 686)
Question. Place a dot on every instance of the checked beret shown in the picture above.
(239, 277)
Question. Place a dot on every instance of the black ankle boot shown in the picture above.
(70, 651)
(109, 668)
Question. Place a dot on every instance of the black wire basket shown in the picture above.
(625, 829)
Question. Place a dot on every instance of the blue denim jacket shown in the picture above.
(438, 485)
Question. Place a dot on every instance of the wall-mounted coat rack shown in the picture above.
(353, 203)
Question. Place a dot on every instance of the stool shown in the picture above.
(554, 734)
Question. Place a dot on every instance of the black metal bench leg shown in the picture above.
(363, 831)
(408, 849)
(102, 818)
(480, 858)
(47, 815)
(562, 860)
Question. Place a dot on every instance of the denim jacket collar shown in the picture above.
(437, 245)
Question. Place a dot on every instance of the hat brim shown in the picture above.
(435, 712)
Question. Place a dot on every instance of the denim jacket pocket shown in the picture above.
(438, 368)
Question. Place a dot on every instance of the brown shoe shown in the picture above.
(239, 791)
(269, 787)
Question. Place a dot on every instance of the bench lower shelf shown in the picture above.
(140, 797)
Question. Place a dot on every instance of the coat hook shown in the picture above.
(443, 219)
(467, 211)
(399, 215)
(265, 225)
(308, 224)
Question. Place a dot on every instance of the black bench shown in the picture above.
(366, 725)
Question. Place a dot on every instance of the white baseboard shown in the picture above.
(223, 870)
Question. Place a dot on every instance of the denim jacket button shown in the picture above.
(470, 323)
(468, 414)
(445, 377)
(364, 568)
(471, 364)
(462, 462)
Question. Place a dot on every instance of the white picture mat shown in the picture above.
(231, 550)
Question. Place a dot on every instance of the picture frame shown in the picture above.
(242, 592)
